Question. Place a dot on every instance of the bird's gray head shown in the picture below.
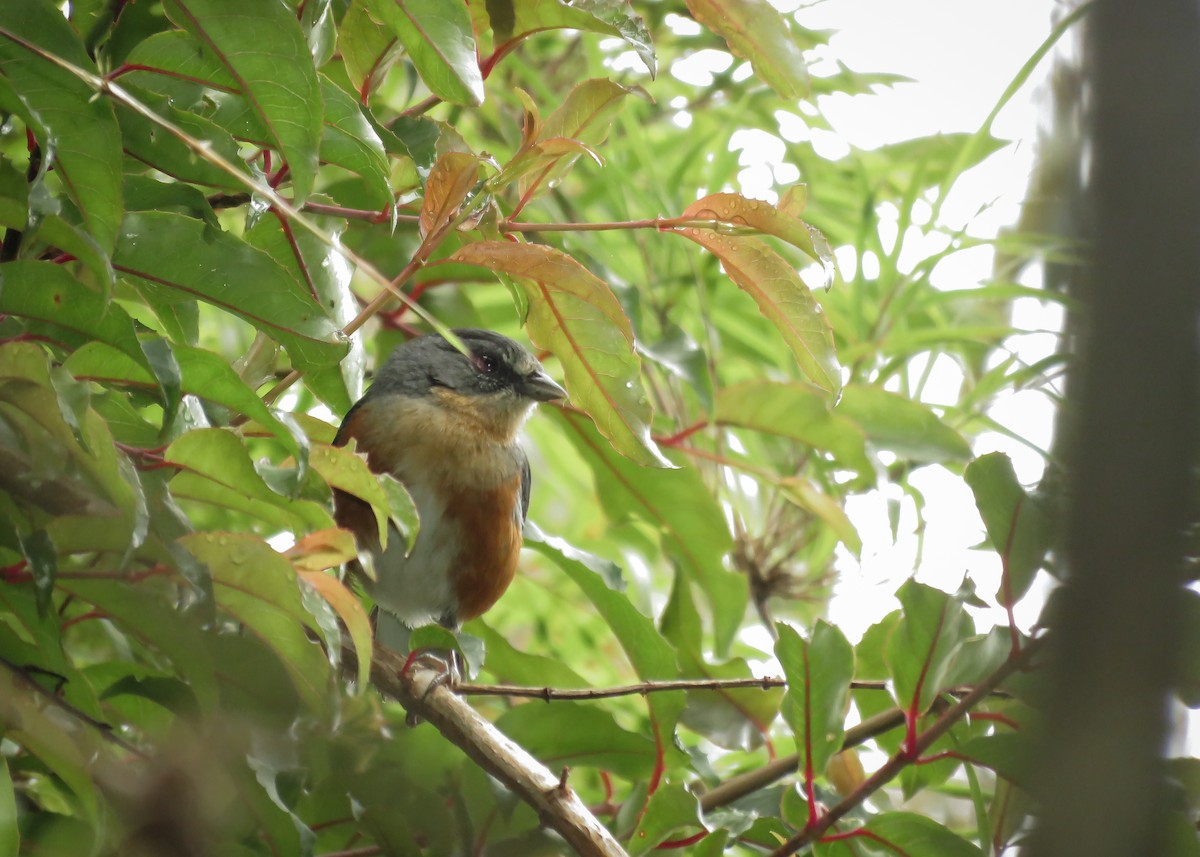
(497, 369)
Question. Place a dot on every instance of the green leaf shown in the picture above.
(77, 131)
(350, 141)
(922, 650)
(584, 117)
(53, 229)
(215, 468)
(736, 719)
(67, 746)
(574, 315)
(782, 297)
(153, 145)
(47, 292)
(179, 258)
(825, 507)
(915, 834)
(513, 20)
(326, 275)
(650, 654)
(368, 49)
(671, 809)
(275, 73)
(341, 468)
(755, 31)
(797, 411)
(259, 588)
(10, 836)
(818, 674)
(1018, 528)
(203, 374)
(896, 423)
(440, 43)
(580, 735)
(677, 504)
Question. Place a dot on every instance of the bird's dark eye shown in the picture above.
(485, 363)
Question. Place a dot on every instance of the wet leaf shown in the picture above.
(276, 75)
(449, 182)
(672, 809)
(77, 131)
(782, 221)
(438, 39)
(755, 31)
(179, 258)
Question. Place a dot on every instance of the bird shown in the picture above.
(445, 424)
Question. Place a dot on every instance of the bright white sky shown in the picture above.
(961, 57)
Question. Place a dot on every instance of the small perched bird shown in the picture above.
(445, 424)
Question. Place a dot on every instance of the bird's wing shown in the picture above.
(525, 483)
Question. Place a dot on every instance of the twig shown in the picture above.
(103, 729)
(550, 694)
(738, 787)
(907, 756)
(556, 803)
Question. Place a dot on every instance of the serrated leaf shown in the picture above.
(188, 259)
(574, 315)
(818, 674)
(782, 297)
(259, 588)
(896, 423)
(153, 145)
(782, 221)
(440, 43)
(326, 275)
(732, 718)
(755, 31)
(449, 182)
(276, 75)
(1018, 529)
(77, 131)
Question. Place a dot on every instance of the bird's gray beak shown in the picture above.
(541, 387)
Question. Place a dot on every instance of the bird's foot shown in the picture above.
(446, 664)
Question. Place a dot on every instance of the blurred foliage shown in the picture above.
(195, 280)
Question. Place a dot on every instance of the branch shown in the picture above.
(549, 694)
(556, 803)
(738, 787)
(908, 755)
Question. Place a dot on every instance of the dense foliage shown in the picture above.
(220, 214)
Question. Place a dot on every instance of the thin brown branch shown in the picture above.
(104, 730)
(662, 224)
(550, 694)
(419, 691)
(907, 756)
(738, 787)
